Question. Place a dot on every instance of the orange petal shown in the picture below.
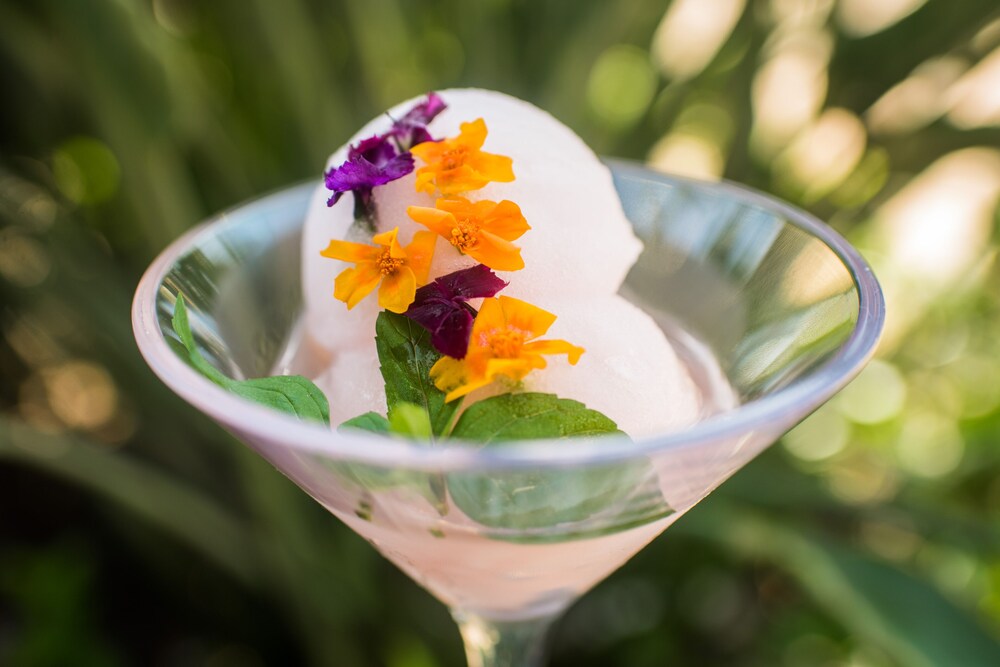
(354, 284)
(460, 179)
(398, 290)
(430, 151)
(419, 254)
(573, 352)
(506, 221)
(439, 222)
(425, 180)
(457, 206)
(490, 317)
(526, 317)
(496, 253)
(492, 167)
(472, 134)
(515, 369)
(350, 252)
(452, 376)
(389, 239)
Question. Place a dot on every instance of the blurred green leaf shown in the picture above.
(182, 512)
(905, 615)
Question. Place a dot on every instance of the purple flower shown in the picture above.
(411, 129)
(374, 161)
(382, 158)
(442, 307)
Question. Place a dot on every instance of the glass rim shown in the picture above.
(792, 402)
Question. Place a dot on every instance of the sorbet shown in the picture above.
(576, 255)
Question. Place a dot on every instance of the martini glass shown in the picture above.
(771, 310)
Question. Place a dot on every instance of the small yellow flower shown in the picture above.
(399, 270)
(482, 230)
(502, 344)
(457, 165)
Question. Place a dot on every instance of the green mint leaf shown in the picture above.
(183, 330)
(406, 356)
(289, 393)
(542, 505)
(411, 421)
(530, 416)
(293, 394)
(370, 421)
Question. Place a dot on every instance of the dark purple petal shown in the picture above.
(441, 307)
(424, 113)
(382, 158)
(450, 324)
(477, 282)
(360, 175)
(377, 150)
(452, 335)
(411, 129)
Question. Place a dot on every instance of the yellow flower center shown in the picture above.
(464, 235)
(506, 343)
(387, 264)
(454, 158)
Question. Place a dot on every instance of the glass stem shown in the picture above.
(503, 643)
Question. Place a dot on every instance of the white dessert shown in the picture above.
(577, 254)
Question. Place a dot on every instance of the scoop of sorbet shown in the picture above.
(577, 253)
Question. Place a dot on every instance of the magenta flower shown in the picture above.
(442, 307)
(374, 161)
(411, 129)
(382, 158)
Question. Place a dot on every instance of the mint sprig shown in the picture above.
(526, 505)
(530, 416)
(406, 356)
(292, 394)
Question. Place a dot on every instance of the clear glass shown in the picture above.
(509, 536)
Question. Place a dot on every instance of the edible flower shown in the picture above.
(399, 270)
(482, 230)
(503, 344)
(382, 158)
(458, 165)
(374, 161)
(442, 307)
(411, 129)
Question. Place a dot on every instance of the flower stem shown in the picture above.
(503, 643)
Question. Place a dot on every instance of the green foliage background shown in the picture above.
(132, 531)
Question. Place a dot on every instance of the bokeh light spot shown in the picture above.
(691, 33)
(916, 100)
(621, 85)
(875, 396)
(789, 89)
(860, 18)
(688, 155)
(930, 445)
(824, 153)
(81, 394)
(975, 98)
(824, 434)
(86, 171)
(23, 260)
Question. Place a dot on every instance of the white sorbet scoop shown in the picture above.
(576, 254)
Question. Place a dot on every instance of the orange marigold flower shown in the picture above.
(399, 270)
(482, 230)
(502, 344)
(457, 165)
